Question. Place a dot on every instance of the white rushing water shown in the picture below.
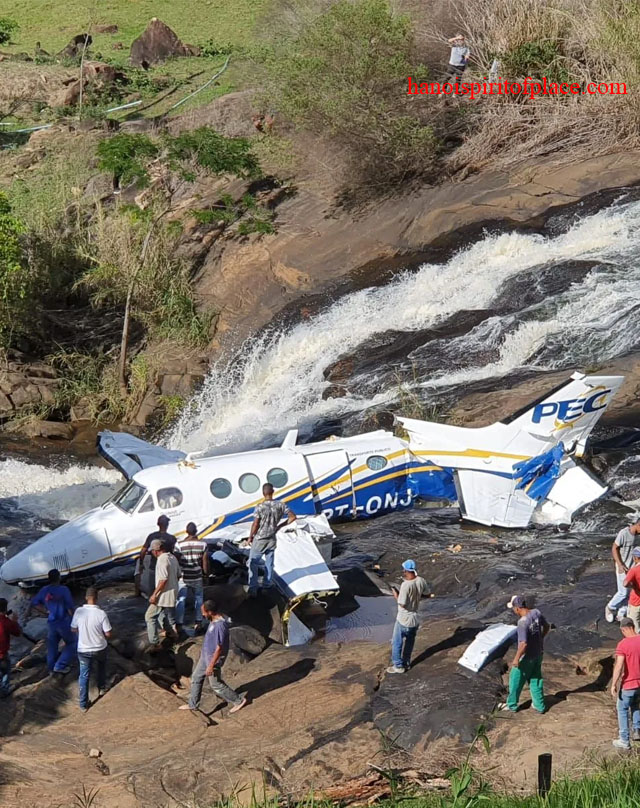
(277, 381)
(51, 493)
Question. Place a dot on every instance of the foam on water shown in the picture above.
(56, 494)
(277, 381)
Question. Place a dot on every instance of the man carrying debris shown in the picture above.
(526, 667)
(163, 599)
(621, 551)
(214, 652)
(407, 621)
(632, 580)
(93, 628)
(458, 59)
(56, 600)
(162, 534)
(625, 684)
(267, 520)
(193, 558)
(9, 627)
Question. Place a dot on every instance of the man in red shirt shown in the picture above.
(632, 580)
(8, 628)
(625, 684)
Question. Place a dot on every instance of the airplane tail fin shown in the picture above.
(569, 412)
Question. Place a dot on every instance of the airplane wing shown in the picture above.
(492, 499)
(129, 454)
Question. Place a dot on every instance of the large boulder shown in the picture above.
(75, 46)
(157, 44)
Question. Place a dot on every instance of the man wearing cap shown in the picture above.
(526, 667)
(406, 627)
(621, 551)
(632, 580)
(164, 536)
(163, 599)
(625, 684)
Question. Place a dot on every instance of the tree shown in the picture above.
(16, 279)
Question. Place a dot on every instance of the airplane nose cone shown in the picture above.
(24, 566)
(10, 571)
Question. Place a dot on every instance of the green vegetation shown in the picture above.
(255, 218)
(16, 279)
(126, 157)
(205, 148)
(341, 74)
(536, 60)
(8, 27)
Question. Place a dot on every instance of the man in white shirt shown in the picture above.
(93, 628)
(458, 59)
(621, 551)
(163, 599)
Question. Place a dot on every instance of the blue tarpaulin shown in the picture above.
(538, 474)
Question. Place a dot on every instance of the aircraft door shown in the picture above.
(331, 483)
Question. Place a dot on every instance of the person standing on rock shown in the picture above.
(164, 536)
(526, 667)
(9, 627)
(56, 600)
(93, 628)
(621, 551)
(632, 580)
(267, 520)
(194, 564)
(214, 652)
(625, 684)
(163, 599)
(405, 629)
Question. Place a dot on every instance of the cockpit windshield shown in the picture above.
(128, 498)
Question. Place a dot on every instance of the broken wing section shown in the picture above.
(129, 454)
(492, 499)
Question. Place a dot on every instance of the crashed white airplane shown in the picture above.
(506, 474)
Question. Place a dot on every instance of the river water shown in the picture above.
(508, 306)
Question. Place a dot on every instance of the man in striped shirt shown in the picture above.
(192, 554)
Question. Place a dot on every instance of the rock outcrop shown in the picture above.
(157, 44)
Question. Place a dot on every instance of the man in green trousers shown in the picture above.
(526, 667)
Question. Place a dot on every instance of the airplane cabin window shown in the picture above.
(128, 499)
(220, 488)
(147, 506)
(277, 477)
(249, 483)
(376, 462)
(169, 498)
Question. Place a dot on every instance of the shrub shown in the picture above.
(535, 59)
(8, 27)
(344, 73)
(206, 148)
(126, 157)
(16, 279)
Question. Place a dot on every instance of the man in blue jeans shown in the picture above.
(56, 600)
(406, 627)
(93, 628)
(625, 684)
(215, 648)
(267, 520)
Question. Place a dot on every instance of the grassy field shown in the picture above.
(195, 21)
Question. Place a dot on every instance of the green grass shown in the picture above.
(194, 21)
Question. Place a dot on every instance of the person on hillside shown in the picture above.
(9, 627)
(55, 599)
(193, 557)
(267, 520)
(460, 55)
(621, 550)
(214, 652)
(411, 590)
(526, 667)
(162, 534)
(632, 580)
(93, 628)
(163, 599)
(625, 683)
